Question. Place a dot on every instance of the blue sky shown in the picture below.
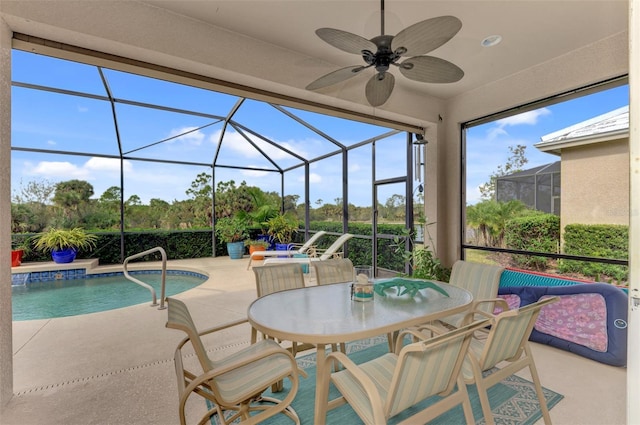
(46, 120)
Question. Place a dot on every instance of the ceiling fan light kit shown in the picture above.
(384, 51)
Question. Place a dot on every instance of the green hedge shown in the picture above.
(197, 244)
(600, 241)
(537, 233)
(177, 244)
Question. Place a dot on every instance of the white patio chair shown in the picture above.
(388, 385)
(234, 384)
(506, 347)
(482, 280)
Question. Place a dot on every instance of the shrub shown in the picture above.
(537, 233)
(600, 241)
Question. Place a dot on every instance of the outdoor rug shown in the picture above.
(513, 400)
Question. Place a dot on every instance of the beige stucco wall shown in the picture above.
(595, 184)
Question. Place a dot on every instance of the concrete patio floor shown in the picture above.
(116, 367)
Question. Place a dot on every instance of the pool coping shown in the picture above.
(49, 271)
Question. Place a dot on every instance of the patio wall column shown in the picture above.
(6, 346)
(633, 347)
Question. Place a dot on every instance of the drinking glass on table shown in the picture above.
(362, 283)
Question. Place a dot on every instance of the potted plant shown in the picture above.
(18, 251)
(232, 231)
(257, 245)
(281, 228)
(64, 244)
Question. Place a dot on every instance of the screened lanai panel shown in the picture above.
(325, 184)
(160, 134)
(179, 199)
(143, 89)
(294, 183)
(49, 169)
(240, 148)
(285, 131)
(345, 131)
(360, 178)
(55, 73)
(391, 157)
(60, 122)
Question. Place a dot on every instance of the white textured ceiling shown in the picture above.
(272, 45)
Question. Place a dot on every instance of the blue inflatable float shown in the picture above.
(590, 319)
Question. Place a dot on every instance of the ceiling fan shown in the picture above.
(383, 51)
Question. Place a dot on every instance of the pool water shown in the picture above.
(63, 298)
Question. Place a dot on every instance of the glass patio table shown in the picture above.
(324, 315)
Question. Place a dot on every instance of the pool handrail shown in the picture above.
(146, 285)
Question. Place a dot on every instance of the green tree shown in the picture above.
(231, 199)
(489, 219)
(72, 197)
(201, 192)
(514, 163)
(30, 208)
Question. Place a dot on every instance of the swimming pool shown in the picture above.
(61, 298)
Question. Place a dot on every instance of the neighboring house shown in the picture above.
(591, 180)
(538, 188)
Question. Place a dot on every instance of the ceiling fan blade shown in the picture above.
(335, 77)
(429, 69)
(346, 41)
(425, 36)
(378, 90)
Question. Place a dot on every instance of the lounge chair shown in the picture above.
(334, 251)
(234, 384)
(307, 248)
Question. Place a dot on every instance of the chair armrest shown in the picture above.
(501, 302)
(223, 326)
(214, 329)
(369, 387)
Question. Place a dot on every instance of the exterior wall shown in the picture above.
(595, 184)
(6, 345)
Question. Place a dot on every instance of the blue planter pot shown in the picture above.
(269, 239)
(235, 250)
(64, 256)
(283, 247)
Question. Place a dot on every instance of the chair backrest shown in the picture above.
(428, 367)
(333, 271)
(334, 247)
(312, 240)
(482, 280)
(510, 331)
(178, 317)
(278, 277)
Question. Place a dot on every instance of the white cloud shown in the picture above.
(192, 137)
(525, 118)
(51, 142)
(107, 164)
(315, 178)
(59, 169)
